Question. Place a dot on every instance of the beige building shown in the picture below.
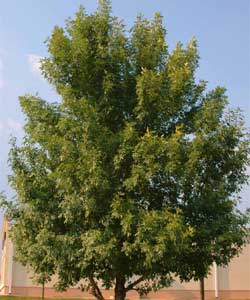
(232, 282)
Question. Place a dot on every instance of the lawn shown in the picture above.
(33, 298)
(39, 298)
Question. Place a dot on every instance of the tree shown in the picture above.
(212, 175)
(115, 181)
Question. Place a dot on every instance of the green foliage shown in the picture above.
(133, 175)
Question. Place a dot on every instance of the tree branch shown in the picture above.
(133, 284)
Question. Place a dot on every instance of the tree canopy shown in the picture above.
(134, 174)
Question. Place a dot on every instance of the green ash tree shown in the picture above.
(133, 175)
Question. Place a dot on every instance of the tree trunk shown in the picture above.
(43, 289)
(120, 290)
(202, 289)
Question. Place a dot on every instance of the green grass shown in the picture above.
(39, 298)
(34, 298)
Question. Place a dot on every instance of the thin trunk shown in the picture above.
(202, 289)
(120, 290)
(43, 290)
(94, 290)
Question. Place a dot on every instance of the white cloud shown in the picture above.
(10, 125)
(13, 124)
(34, 61)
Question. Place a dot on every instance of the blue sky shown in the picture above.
(220, 26)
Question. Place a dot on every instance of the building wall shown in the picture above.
(237, 275)
(193, 285)
(6, 259)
